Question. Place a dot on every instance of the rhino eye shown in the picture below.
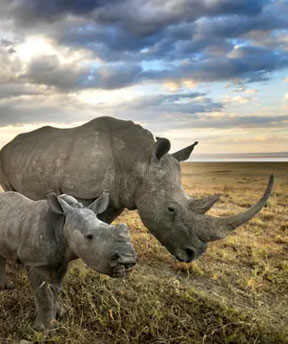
(89, 236)
(171, 210)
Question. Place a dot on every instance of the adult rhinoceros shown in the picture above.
(122, 157)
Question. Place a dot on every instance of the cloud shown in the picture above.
(204, 41)
(29, 12)
(137, 16)
(48, 70)
(52, 52)
(12, 90)
(40, 109)
(68, 108)
(237, 99)
(10, 64)
(159, 112)
(188, 103)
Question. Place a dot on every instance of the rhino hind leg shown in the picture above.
(45, 298)
(4, 284)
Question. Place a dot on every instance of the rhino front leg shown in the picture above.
(4, 284)
(45, 298)
(57, 279)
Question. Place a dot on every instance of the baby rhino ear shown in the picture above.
(57, 204)
(71, 201)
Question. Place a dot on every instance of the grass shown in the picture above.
(236, 293)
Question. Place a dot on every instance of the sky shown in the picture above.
(215, 71)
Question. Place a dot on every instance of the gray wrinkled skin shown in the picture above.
(123, 158)
(46, 235)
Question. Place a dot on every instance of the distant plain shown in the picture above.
(237, 292)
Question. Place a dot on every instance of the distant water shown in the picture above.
(250, 157)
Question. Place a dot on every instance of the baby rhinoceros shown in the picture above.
(46, 235)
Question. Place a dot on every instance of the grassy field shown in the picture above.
(237, 292)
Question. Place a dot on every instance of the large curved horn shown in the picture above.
(215, 228)
(202, 205)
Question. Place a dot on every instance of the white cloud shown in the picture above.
(236, 99)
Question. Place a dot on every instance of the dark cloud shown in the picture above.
(119, 43)
(137, 16)
(49, 71)
(29, 12)
(10, 64)
(205, 41)
(12, 90)
(187, 103)
(272, 17)
(145, 18)
(175, 40)
(248, 63)
(113, 76)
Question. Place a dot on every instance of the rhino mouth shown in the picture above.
(122, 269)
(121, 265)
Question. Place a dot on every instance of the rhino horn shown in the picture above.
(184, 153)
(215, 228)
(201, 206)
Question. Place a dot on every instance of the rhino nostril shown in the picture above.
(129, 265)
(190, 254)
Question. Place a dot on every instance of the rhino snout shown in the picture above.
(121, 264)
(186, 255)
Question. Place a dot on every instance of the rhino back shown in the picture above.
(28, 231)
(29, 161)
(81, 161)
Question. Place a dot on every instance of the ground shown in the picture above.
(237, 292)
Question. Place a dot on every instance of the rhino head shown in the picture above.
(103, 247)
(176, 220)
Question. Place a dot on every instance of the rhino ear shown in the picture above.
(57, 204)
(161, 147)
(202, 205)
(71, 201)
(101, 203)
(184, 153)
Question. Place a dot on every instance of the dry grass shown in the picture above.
(236, 292)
